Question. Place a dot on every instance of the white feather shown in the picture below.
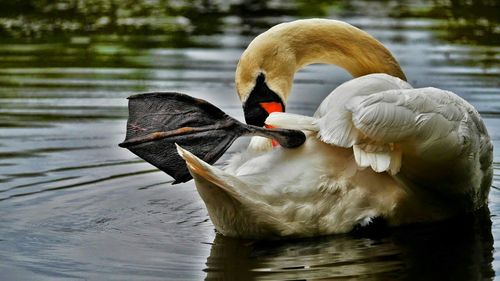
(292, 121)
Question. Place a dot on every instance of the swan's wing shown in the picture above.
(331, 118)
(334, 120)
(431, 123)
(334, 124)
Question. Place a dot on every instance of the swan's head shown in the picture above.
(261, 101)
(264, 78)
(266, 69)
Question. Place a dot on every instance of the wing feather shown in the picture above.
(428, 121)
(335, 120)
(396, 115)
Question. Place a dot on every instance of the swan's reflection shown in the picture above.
(459, 249)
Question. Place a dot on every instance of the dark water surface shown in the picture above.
(75, 206)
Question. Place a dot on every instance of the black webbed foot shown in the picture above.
(159, 120)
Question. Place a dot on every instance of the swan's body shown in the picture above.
(376, 147)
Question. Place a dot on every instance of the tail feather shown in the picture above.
(210, 173)
(254, 202)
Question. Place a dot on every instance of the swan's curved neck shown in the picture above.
(346, 46)
(285, 48)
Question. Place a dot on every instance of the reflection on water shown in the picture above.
(75, 206)
(459, 249)
(471, 22)
(464, 21)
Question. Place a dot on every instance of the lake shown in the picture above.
(75, 206)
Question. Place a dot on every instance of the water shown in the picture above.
(74, 206)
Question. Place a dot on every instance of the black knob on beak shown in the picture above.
(261, 102)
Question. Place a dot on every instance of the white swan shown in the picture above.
(376, 147)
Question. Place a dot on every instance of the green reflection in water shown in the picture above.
(74, 21)
(471, 22)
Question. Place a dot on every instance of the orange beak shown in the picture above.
(271, 107)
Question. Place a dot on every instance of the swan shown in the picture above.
(375, 148)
